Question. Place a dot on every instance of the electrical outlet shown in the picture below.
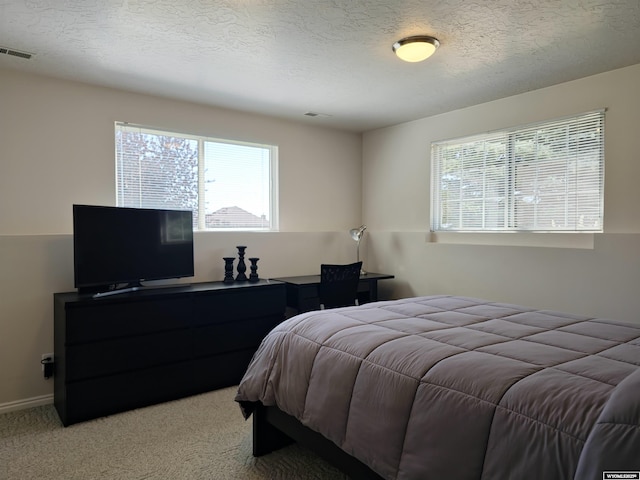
(46, 358)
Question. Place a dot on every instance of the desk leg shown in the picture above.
(373, 290)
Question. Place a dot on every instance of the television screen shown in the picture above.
(117, 245)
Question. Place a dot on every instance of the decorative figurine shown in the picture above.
(241, 277)
(228, 269)
(253, 277)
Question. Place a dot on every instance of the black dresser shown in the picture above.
(125, 351)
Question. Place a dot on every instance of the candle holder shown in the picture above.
(228, 269)
(241, 277)
(253, 277)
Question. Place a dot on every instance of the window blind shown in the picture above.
(543, 177)
(155, 170)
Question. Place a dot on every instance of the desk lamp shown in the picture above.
(356, 234)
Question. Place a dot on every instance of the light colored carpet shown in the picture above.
(196, 438)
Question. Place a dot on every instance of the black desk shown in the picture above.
(302, 292)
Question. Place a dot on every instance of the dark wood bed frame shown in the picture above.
(274, 429)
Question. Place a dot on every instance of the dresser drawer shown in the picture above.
(239, 304)
(87, 323)
(225, 337)
(127, 353)
(234, 364)
(116, 393)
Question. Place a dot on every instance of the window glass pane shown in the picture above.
(236, 185)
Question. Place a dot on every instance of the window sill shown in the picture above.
(582, 240)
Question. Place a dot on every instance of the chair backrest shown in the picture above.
(339, 285)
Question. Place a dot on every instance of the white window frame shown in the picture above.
(591, 122)
(200, 212)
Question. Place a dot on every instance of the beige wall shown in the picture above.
(57, 148)
(595, 275)
(329, 182)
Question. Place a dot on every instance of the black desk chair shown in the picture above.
(339, 285)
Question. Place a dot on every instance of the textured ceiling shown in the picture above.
(288, 57)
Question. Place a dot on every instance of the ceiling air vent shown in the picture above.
(15, 53)
(316, 114)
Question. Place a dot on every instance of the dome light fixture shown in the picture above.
(416, 49)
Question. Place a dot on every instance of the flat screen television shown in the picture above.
(117, 247)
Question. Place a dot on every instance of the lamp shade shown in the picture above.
(416, 49)
(356, 233)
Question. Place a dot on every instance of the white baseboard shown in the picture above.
(26, 403)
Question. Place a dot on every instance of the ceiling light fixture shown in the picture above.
(416, 49)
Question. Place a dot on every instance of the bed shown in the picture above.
(451, 387)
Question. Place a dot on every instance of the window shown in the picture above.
(228, 185)
(542, 177)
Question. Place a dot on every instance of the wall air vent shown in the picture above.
(15, 53)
